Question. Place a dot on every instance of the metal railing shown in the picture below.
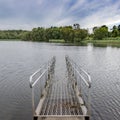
(65, 98)
(43, 76)
(81, 82)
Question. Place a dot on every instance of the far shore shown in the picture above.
(105, 42)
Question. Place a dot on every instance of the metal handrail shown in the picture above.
(45, 66)
(32, 85)
(76, 68)
(44, 69)
(88, 83)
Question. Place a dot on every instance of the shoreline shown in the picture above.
(101, 43)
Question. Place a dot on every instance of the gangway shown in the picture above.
(66, 99)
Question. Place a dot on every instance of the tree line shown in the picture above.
(103, 32)
(12, 34)
(67, 33)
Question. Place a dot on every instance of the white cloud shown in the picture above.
(107, 15)
(39, 2)
(49, 13)
(77, 5)
(66, 21)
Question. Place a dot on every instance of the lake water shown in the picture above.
(18, 60)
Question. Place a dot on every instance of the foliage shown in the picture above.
(80, 34)
(115, 31)
(71, 34)
(67, 33)
(101, 32)
(11, 34)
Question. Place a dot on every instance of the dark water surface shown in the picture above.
(18, 60)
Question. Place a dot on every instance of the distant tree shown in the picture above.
(114, 27)
(38, 34)
(27, 36)
(119, 30)
(48, 34)
(115, 31)
(80, 35)
(118, 27)
(11, 34)
(95, 28)
(76, 26)
(67, 34)
(55, 33)
(84, 34)
(101, 32)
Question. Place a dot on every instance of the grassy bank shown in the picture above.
(57, 40)
(107, 41)
(10, 40)
(104, 42)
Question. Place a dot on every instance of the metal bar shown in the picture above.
(75, 67)
(44, 66)
(89, 106)
(31, 77)
(38, 78)
(83, 78)
(61, 116)
(33, 105)
(89, 78)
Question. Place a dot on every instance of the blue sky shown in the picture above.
(26, 14)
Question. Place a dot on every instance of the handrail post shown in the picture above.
(33, 103)
(49, 76)
(89, 102)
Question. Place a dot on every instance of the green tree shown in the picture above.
(115, 31)
(68, 34)
(80, 34)
(101, 32)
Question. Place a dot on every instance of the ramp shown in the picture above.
(61, 94)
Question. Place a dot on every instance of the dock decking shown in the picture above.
(60, 98)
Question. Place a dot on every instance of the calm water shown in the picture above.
(18, 60)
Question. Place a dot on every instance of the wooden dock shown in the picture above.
(61, 96)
